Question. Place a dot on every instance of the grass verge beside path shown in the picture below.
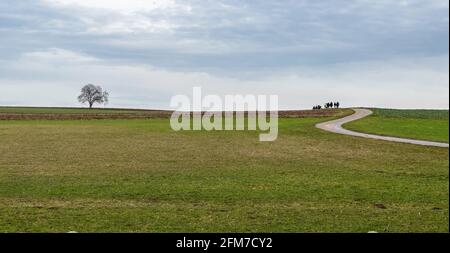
(430, 125)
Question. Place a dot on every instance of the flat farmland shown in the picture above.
(137, 175)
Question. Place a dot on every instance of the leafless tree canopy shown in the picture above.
(93, 94)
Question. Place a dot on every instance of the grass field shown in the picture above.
(140, 176)
(429, 125)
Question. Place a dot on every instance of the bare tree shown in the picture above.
(93, 94)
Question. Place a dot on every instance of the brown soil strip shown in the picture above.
(145, 115)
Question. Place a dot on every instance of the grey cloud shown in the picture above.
(238, 44)
(236, 35)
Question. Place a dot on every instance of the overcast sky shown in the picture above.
(383, 53)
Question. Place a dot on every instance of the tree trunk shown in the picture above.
(90, 105)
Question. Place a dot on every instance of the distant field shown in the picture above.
(26, 113)
(137, 175)
(411, 114)
(432, 125)
(64, 110)
(39, 113)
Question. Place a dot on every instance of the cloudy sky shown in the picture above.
(383, 53)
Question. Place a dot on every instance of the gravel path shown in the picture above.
(335, 126)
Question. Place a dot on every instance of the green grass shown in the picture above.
(140, 176)
(411, 114)
(429, 125)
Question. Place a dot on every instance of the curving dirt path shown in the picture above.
(335, 126)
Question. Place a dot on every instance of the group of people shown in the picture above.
(327, 105)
